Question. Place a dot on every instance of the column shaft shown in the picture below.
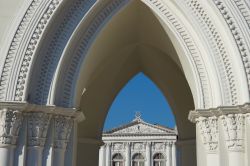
(7, 156)
(58, 157)
(101, 155)
(128, 154)
(108, 154)
(34, 155)
(148, 154)
(168, 155)
(173, 154)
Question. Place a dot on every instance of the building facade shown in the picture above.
(138, 144)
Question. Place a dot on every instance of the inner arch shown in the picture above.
(133, 41)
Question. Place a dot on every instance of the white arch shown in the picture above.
(223, 91)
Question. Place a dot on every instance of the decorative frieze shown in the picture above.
(38, 124)
(138, 146)
(63, 126)
(159, 146)
(208, 128)
(118, 146)
(234, 129)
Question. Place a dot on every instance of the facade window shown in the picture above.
(117, 160)
(138, 160)
(159, 160)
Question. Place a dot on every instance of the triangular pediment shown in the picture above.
(141, 127)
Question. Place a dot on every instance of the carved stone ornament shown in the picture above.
(118, 146)
(209, 132)
(63, 126)
(138, 146)
(159, 146)
(10, 123)
(38, 124)
(233, 126)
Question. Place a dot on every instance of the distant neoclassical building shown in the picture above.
(138, 143)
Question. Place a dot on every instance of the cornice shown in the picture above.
(49, 109)
(219, 111)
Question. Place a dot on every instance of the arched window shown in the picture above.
(138, 160)
(117, 160)
(159, 160)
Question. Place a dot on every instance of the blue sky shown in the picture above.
(140, 94)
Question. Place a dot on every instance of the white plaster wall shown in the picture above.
(11, 12)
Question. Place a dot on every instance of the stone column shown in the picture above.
(168, 154)
(38, 123)
(223, 133)
(173, 150)
(148, 154)
(207, 127)
(10, 122)
(108, 154)
(233, 133)
(128, 154)
(101, 156)
(62, 130)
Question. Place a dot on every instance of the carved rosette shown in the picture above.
(233, 126)
(208, 128)
(63, 127)
(10, 123)
(38, 124)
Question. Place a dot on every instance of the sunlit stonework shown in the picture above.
(138, 143)
(62, 62)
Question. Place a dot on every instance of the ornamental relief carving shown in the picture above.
(10, 124)
(208, 128)
(233, 126)
(63, 126)
(38, 124)
(159, 146)
(140, 128)
(138, 146)
(118, 146)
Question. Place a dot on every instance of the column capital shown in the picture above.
(38, 123)
(234, 131)
(208, 128)
(63, 126)
(10, 122)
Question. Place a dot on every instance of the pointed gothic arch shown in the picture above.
(57, 49)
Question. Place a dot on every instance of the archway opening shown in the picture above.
(140, 95)
(132, 41)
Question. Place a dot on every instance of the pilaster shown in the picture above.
(101, 156)
(128, 154)
(173, 150)
(38, 123)
(148, 153)
(169, 154)
(224, 135)
(108, 154)
(10, 122)
(62, 127)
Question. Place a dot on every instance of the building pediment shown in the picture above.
(140, 127)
